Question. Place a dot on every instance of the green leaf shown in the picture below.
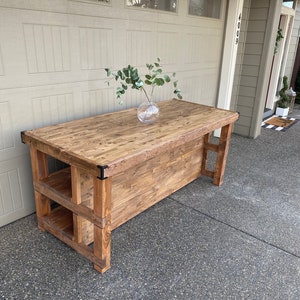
(149, 66)
(159, 81)
(139, 83)
(175, 83)
(135, 77)
(156, 65)
(108, 72)
(177, 92)
(148, 82)
(126, 72)
(120, 91)
(158, 59)
(148, 76)
(167, 78)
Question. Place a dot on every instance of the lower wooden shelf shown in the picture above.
(61, 220)
(59, 182)
(60, 224)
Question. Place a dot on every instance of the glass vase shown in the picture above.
(148, 112)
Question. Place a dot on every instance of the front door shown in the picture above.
(280, 55)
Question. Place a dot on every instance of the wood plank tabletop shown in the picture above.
(115, 141)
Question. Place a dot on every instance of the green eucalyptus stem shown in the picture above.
(152, 90)
(129, 77)
(145, 92)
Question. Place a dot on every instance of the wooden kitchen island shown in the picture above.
(117, 167)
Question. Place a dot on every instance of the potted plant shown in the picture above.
(129, 76)
(282, 108)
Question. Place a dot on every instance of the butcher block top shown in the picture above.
(108, 144)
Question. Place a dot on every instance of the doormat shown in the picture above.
(279, 123)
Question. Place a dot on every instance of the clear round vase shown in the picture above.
(148, 112)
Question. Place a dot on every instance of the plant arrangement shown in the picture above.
(284, 99)
(129, 77)
(279, 37)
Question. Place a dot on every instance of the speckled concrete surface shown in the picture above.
(237, 241)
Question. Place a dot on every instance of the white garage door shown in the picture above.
(52, 55)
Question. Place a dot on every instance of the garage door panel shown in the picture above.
(16, 194)
(6, 138)
(1, 63)
(140, 47)
(52, 59)
(35, 48)
(94, 44)
(167, 48)
(47, 47)
(49, 50)
(201, 86)
(202, 50)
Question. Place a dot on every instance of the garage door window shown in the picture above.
(93, 1)
(166, 5)
(205, 8)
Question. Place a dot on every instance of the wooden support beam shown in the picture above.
(222, 154)
(205, 153)
(102, 209)
(76, 198)
(211, 147)
(39, 166)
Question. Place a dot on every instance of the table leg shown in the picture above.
(102, 209)
(39, 166)
(76, 198)
(222, 154)
(204, 169)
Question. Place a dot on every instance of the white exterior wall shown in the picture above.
(293, 44)
(254, 66)
(240, 57)
(52, 56)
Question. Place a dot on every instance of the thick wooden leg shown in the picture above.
(102, 209)
(39, 171)
(222, 154)
(76, 198)
(204, 169)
